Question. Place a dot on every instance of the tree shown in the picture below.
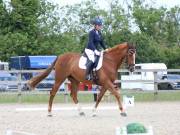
(34, 27)
(28, 24)
(160, 28)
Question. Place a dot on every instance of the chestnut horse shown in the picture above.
(66, 66)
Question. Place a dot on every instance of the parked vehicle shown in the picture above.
(4, 65)
(8, 82)
(31, 62)
(148, 76)
(45, 85)
(172, 82)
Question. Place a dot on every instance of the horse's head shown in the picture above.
(131, 57)
(121, 51)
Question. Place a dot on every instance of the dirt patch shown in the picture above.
(163, 116)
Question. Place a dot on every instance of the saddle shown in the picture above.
(96, 66)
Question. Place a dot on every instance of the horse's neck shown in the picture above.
(116, 56)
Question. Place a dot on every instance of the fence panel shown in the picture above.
(20, 82)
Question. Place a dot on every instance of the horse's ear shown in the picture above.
(131, 45)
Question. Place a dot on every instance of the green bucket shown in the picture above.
(136, 128)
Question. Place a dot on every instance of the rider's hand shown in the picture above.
(106, 50)
(97, 52)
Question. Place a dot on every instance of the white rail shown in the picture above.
(20, 81)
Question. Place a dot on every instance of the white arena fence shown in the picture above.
(155, 80)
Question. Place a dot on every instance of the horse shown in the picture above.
(66, 66)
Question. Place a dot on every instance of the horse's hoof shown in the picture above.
(49, 114)
(82, 114)
(123, 114)
(94, 115)
(29, 86)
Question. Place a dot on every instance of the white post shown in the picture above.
(9, 132)
(121, 131)
(150, 130)
(155, 85)
(19, 87)
(117, 131)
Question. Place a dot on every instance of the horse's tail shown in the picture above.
(35, 80)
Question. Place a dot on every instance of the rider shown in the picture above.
(91, 50)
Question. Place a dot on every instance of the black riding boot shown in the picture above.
(88, 70)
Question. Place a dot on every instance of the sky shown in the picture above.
(104, 3)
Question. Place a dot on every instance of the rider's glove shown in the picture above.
(97, 52)
(106, 50)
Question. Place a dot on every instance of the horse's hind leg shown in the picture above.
(100, 95)
(73, 94)
(58, 82)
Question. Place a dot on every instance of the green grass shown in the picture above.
(41, 98)
(88, 98)
(149, 96)
(6, 98)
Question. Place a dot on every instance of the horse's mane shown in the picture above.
(130, 46)
(113, 48)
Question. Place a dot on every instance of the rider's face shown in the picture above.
(98, 27)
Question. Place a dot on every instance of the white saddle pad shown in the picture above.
(83, 60)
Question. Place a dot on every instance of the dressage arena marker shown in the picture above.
(11, 132)
(64, 108)
(128, 101)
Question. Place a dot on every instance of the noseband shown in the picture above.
(131, 51)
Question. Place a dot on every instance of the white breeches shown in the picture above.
(90, 54)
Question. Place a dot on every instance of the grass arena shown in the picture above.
(163, 116)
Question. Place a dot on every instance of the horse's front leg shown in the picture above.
(100, 95)
(114, 90)
(73, 95)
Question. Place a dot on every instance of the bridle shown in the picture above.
(131, 51)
